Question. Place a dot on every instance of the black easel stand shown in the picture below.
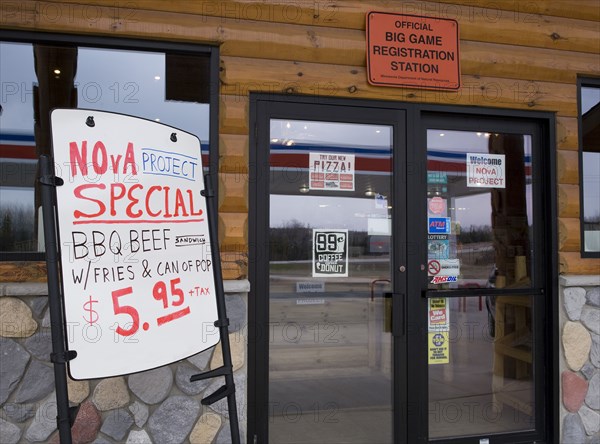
(60, 356)
(227, 368)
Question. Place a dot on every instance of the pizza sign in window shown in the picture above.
(330, 171)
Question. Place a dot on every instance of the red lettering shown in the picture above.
(133, 202)
(167, 214)
(101, 166)
(199, 213)
(179, 204)
(151, 190)
(79, 194)
(114, 197)
(115, 162)
(78, 158)
(129, 160)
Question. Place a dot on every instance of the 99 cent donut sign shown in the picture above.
(136, 265)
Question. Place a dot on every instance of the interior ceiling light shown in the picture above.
(156, 77)
(303, 189)
(369, 193)
(57, 71)
(288, 125)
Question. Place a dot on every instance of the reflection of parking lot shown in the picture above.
(326, 330)
(329, 363)
(464, 390)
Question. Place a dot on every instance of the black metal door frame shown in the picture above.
(410, 166)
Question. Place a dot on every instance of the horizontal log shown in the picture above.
(233, 153)
(341, 46)
(567, 133)
(23, 271)
(573, 263)
(234, 265)
(233, 193)
(239, 77)
(476, 23)
(233, 115)
(569, 234)
(567, 167)
(568, 200)
(525, 63)
(233, 232)
(527, 11)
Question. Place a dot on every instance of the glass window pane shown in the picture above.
(479, 193)
(18, 158)
(482, 381)
(172, 89)
(590, 174)
(330, 344)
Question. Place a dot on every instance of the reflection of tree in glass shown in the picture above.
(291, 242)
(592, 219)
(476, 233)
(16, 230)
(591, 222)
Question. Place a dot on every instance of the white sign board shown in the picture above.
(486, 170)
(443, 267)
(331, 171)
(137, 274)
(330, 253)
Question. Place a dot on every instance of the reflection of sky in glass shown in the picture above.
(106, 80)
(18, 77)
(457, 141)
(329, 133)
(16, 197)
(590, 97)
(127, 82)
(591, 191)
(325, 211)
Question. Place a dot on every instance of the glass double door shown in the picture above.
(398, 293)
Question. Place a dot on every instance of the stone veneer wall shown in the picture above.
(580, 359)
(158, 406)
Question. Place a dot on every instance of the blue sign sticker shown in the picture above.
(437, 177)
(439, 225)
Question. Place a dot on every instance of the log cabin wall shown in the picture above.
(520, 55)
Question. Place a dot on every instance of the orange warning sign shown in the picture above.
(412, 51)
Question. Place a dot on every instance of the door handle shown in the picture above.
(398, 313)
